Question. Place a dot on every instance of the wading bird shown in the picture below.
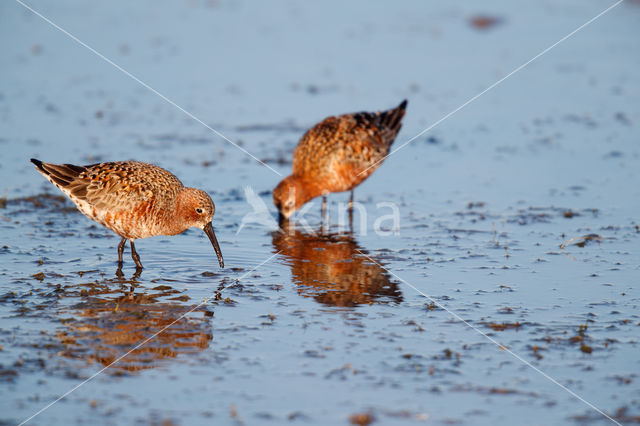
(135, 200)
(336, 155)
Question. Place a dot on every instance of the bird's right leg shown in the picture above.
(323, 212)
(351, 211)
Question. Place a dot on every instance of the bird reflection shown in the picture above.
(331, 268)
(108, 322)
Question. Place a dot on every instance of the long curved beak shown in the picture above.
(208, 229)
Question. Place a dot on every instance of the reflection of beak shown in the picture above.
(281, 219)
(208, 229)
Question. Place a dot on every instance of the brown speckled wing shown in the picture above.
(107, 185)
(386, 123)
(339, 148)
(334, 139)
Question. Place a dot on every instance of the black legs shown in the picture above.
(120, 251)
(351, 211)
(323, 211)
(134, 256)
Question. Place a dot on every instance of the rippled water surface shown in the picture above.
(507, 295)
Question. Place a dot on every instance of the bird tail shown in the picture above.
(60, 175)
(390, 122)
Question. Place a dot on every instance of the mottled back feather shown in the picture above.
(106, 184)
(337, 149)
(135, 200)
(101, 191)
(388, 123)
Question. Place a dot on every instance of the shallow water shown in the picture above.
(452, 318)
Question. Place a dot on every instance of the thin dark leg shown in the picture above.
(323, 227)
(324, 207)
(135, 256)
(351, 211)
(120, 251)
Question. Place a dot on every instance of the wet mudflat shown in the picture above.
(517, 251)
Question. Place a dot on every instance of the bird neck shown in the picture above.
(176, 215)
(306, 189)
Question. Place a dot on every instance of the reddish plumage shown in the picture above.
(133, 199)
(336, 155)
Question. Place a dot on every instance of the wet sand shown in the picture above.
(518, 217)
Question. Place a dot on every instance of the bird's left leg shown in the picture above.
(120, 250)
(351, 211)
(324, 208)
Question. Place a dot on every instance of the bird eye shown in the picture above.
(199, 210)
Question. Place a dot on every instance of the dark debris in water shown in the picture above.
(494, 391)
(504, 326)
(534, 215)
(46, 201)
(280, 160)
(621, 415)
(182, 139)
(582, 240)
(581, 338)
(286, 127)
(485, 22)
(361, 419)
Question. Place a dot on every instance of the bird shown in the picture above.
(135, 200)
(336, 155)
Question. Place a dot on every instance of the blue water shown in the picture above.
(339, 324)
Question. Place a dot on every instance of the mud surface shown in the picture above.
(508, 294)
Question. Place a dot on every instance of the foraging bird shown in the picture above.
(135, 200)
(336, 155)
